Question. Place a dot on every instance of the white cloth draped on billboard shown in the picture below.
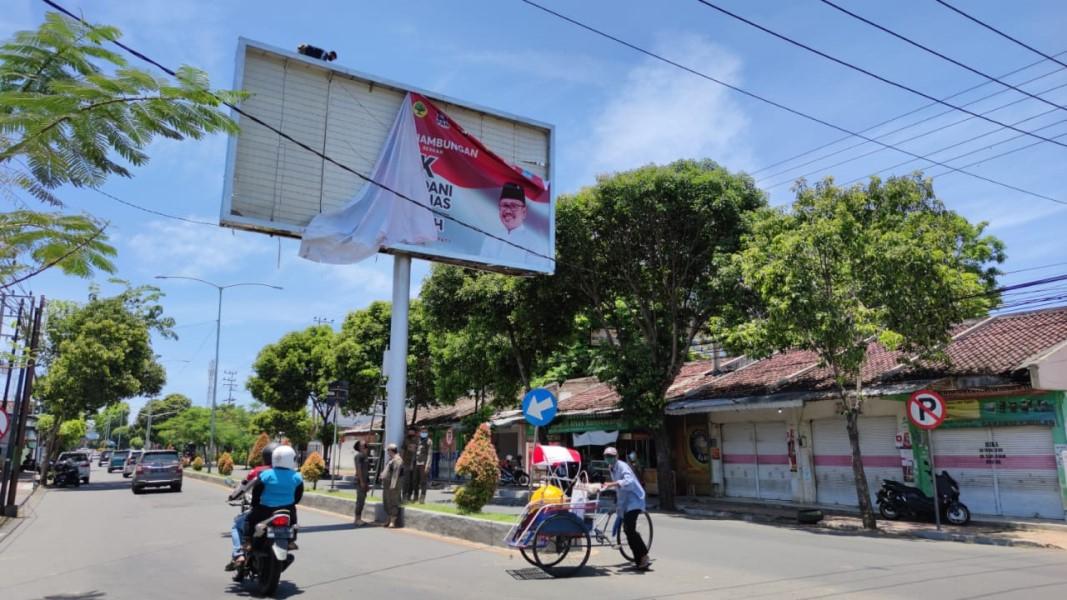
(595, 438)
(376, 217)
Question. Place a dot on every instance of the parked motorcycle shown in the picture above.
(899, 501)
(64, 473)
(512, 474)
(268, 554)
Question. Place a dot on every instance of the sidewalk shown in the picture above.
(996, 531)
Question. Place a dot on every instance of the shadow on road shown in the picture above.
(103, 486)
(79, 596)
(332, 527)
(286, 589)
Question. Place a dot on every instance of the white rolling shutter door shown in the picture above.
(957, 451)
(775, 479)
(1027, 481)
(834, 483)
(1008, 471)
(739, 460)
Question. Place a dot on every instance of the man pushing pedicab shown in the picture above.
(629, 504)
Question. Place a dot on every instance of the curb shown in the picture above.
(490, 533)
(940, 536)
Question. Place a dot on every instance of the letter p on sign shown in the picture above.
(926, 409)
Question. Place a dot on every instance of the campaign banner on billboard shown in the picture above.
(469, 204)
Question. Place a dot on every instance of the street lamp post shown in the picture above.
(148, 429)
(218, 335)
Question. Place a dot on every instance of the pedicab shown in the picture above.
(563, 521)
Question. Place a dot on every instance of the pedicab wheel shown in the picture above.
(561, 545)
(528, 555)
(644, 529)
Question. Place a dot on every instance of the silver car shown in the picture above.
(131, 463)
(158, 468)
(81, 458)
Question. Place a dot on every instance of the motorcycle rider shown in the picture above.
(278, 488)
(239, 520)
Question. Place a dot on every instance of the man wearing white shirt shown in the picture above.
(512, 207)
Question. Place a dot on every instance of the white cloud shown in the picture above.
(190, 250)
(661, 113)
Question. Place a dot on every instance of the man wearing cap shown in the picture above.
(511, 208)
(407, 453)
(391, 484)
(629, 504)
(420, 474)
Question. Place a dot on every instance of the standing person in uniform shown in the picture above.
(630, 501)
(392, 484)
(423, 460)
(362, 481)
(411, 444)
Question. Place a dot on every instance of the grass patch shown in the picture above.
(451, 509)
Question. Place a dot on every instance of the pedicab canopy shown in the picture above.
(550, 456)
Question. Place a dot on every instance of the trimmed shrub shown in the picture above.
(198, 464)
(480, 463)
(313, 470)
(225, 464)
(255, 457)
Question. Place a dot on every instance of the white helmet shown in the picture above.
(284, 457)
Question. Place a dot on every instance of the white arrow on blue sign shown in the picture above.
(539, 407)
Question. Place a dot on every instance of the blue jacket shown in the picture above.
(278, 487)
(631, 496)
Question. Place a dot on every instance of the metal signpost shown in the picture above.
(926, 410)
(539, 408)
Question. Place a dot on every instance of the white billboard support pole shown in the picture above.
(397, 368)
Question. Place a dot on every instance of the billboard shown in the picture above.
(476, 183)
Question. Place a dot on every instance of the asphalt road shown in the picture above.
(102, 542)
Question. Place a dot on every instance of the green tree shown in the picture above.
(100, 352)
(71, 433)
(136, 442)
(297, 369)
(295, 425)
(845, 267)
(72, 112)
(650, 252)
(191, 426)
(361, 344)
(528, 317)
(162, 410)
(480, 463)
(110, 418)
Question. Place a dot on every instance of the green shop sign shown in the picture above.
(985, 412)
(582, 425)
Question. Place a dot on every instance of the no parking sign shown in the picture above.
(926, 409)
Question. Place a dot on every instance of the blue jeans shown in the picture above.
(235, 533)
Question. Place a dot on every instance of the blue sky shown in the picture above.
(612, 108)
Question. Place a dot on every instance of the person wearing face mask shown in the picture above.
(629, 503)
(421, 469)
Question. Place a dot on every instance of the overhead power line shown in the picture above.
(931, 131)
(912, 112)
(1000, 33)
(929, 50)
(869, 73)
(775, 103)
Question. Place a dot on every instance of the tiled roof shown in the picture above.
(597, 398)
(994, 346)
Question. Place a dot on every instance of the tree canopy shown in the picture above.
(73, 112)
(844, 267)
(651, 253)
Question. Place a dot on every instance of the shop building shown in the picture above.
(776, 431)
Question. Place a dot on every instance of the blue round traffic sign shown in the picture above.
(539, 407)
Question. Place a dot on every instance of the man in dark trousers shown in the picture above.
(407, 452)
(421, 470)
(362, 481)
(629, 504)
(392, 484)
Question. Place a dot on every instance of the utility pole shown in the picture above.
(230, 383)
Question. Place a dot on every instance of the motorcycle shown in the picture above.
(514, 476)
(65, 473)
(897, 501)
(268, 552)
